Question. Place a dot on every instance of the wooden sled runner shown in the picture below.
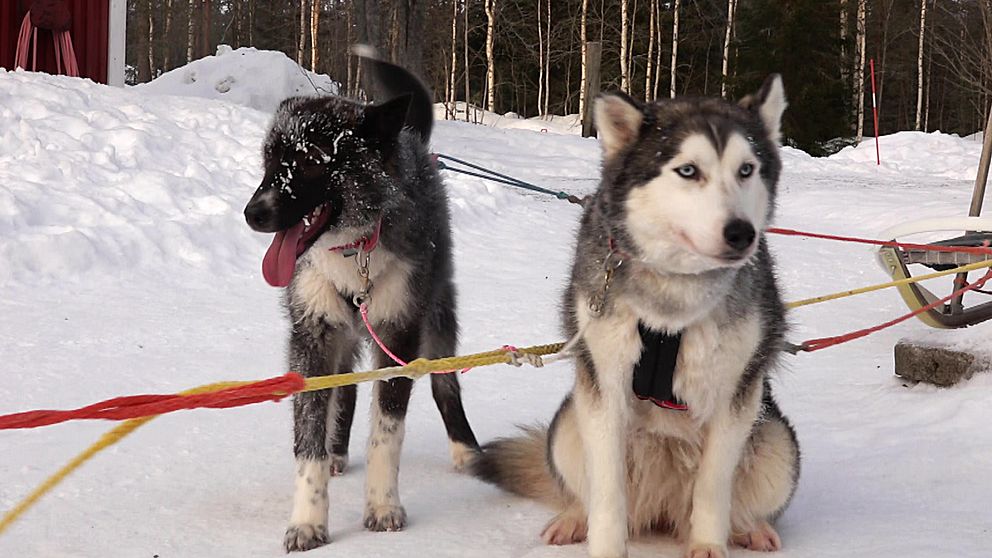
(896, 261)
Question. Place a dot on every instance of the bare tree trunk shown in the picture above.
(624, 46)
(350, 64)
(547, 63)
(919, 65)
(675, 43)
(301, 37)
(468, 91)
(167, 32)
(929, 82)
(454, 61)
(859, 73)
(583, 37)
(206, 11)
(314, 33)
(151, 42)
(540, 61)
(190, 31)
(491, 55)
(844, 31)
(251, 22)
(731, 8)
(657, 62)
(144, 40)
(630, 46)
(650, 59)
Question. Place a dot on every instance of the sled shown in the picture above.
(896, 260)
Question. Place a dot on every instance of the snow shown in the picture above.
(126, 267)
(259, 79)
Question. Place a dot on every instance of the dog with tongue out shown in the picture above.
(360, 216)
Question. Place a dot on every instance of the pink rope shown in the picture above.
(364, 309)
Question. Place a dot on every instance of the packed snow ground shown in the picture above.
(126, 267)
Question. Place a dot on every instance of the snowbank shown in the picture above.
(918, 153)
(115, 182)
(259, 79)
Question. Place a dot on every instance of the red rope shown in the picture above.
(985, 251)
(823, 343)
(137, 406)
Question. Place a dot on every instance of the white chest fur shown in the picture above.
(324, 277)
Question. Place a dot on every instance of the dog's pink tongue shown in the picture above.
(280, 259)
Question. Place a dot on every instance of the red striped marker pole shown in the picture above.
(874, 109)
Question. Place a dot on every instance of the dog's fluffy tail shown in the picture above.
(519, 465)
(390, 81)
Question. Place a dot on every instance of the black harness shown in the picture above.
(654, 373)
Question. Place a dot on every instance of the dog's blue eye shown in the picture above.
(747, 169)
(687, 171)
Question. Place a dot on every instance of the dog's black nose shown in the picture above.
(739, 234)
(259, 216)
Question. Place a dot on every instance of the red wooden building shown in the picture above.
(97, 33)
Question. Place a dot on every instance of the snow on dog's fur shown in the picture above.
(337, 171)
(688, 188)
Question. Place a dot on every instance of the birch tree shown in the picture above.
(919, 65)
(540, 61)
(491, 55)
(547, 64)
(844, 25)
(302, 32)
(859, 71)
(190, 31)
(583, 38)
(314, 33)
(675, 42)
(624, 46)
(728, 35)
(454, 62)
(650, 59)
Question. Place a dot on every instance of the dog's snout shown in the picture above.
(739, 234)
(259, 216)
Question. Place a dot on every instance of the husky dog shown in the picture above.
(361, 219)
(672, 276)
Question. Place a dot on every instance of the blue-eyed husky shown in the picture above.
(671, 423)
(360, 215)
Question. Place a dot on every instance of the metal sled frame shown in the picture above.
(895, 261)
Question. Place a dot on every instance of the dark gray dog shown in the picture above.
(360, 216)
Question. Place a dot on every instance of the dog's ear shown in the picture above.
(618, 118)
(769, 103)
(384, 121)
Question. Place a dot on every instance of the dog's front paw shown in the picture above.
(338, 464)
(763, 538)
(703, 550)
(305, 537)
(385, 518)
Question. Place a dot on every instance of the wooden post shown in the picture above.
(977, 197)
(594, 57)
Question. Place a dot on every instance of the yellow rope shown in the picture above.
(110, 438)
(414, 370)
(880, 286)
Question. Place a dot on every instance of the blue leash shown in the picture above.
(489, 174)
